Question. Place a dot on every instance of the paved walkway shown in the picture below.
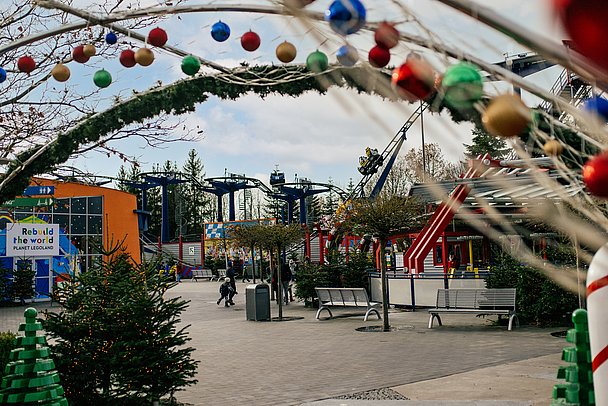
(306, 360)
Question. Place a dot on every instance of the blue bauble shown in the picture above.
(347, 55)
(345, 16)
(220, 31)
(111, 38)
(597, 105)
(2, 75)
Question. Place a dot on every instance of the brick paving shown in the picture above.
(292, 362)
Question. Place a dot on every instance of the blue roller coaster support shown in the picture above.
(164, 181)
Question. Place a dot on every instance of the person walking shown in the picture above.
(285, 279)
(231, 274)
(226, 292)
(246, 273)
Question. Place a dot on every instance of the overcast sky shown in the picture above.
(313, 136)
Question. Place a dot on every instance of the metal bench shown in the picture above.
(345, 297)
(202, 273)
(221, 274)
(475, 301)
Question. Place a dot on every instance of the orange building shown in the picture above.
(90, 216)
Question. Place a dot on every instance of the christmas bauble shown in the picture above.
(111, 38)
(598, 106)
(60, 72)
(506, 116)
(190, 65)
(102, 78)
(386, 35)
(26, 64)
(585, 21)
(346, 16)
(78, 54)
(157, 37)
(144, 56)
(595, 175)
(127, 58)
(286, 52)
(347, 55)
(462, 85)
(379, 57)
(553, 148)
(317, 61)
(2, 75)
(220, 31)
(414, 80)
(250, 41)
(89, 50)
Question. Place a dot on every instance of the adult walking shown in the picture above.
(231, 273)
(285, 280)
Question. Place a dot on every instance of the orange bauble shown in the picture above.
(386, 35)
(286, 52)
(144, 56)
(553, 148)
(506, 116)
(89, 50)
(60, 72)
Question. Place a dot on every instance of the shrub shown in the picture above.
(6, 287)
(23, 281)
(7, 343)
(539, 300)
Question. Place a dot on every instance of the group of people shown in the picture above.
(288, 272)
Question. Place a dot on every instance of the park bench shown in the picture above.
(475, 301)
(221, 274)
(345, 297)
(202, 273)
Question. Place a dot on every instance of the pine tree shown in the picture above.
(117, 339)
(31, 378)
(197, 205)
(484, 142)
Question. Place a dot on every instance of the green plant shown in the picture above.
(23, 281)
(7, 343)
(117, 339)
(539, 300)
(7, 292)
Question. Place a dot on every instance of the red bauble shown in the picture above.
(250, 41)
(79, 55)
(127, 58)
(585, 21)
(595, 175)
(414, 80)
(379, 57)
(386, 35)
(26, 64)
(157, 37)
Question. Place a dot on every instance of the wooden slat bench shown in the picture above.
(202, 273)
(345, 297)
(475, 301)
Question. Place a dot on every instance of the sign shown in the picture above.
(191, 250)
(39, 190)
(30, 202)
(32, 240)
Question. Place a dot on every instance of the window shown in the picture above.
(95, 205)
(79, 205)
(79, 224)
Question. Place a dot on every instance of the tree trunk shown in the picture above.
(253, 262)
(279, 283)
(385, 324)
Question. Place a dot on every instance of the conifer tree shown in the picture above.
(117, 340)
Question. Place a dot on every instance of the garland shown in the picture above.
(182, 97)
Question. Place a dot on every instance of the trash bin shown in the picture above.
(257, 302)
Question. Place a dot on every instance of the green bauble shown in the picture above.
(102, 78)
(317, 62)
(190, 65)
(462, 85)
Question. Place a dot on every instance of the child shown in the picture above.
(225, 291)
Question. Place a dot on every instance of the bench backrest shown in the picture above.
(343, 296)
(484, 299)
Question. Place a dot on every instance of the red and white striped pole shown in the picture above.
(597, 307)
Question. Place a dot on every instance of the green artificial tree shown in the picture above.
(23, 280)
(30, 376)
(579, 375)
(117, 337)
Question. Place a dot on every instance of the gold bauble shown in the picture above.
(506, 116)
(553, 148)
(60, 72)
(144, 56)
(89, 50)
(286, 52)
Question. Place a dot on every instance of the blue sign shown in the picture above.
(39, 190)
